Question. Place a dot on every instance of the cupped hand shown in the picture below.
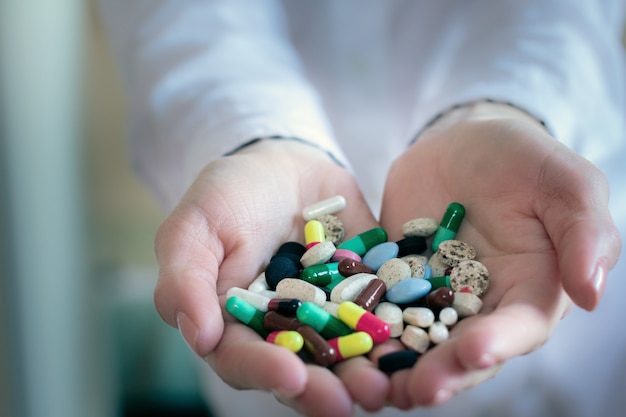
(231, 221)
(537, 214)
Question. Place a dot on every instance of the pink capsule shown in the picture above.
(362, 320)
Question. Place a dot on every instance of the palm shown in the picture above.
(513, 183)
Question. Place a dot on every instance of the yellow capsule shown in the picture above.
(289, 339)
(354, 344)
(313, 232)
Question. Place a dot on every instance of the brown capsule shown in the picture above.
(322, 352)
(369, 297)
(276, 321)
(348, 267)
(440, 298)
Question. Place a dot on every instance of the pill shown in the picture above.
(275, 321)
(440, 298)
(416, 263)
(302, 290)
(471, 275)
(350, 288)
(428, 271)
(415, 338)
(279, 268)
(379, 254)
(322, 321)
(363, 242)
(396, 361)
(466, 304)
(451, 252)
(348, 267)
(392, 315)
(333, 228)
(439, 282)
(423, 227)
(245, 313)
(335, 280)
(411, 246)
(328, 206)
(320, 350)
(419, 316)
(449, 224)
(362, 320)
(370, 296)
(355, 344)
(438, 268)
(331, 308)
(256, 300)
(341, 254)
(313, 232)
(408, 290)
(448, 316)
(318, 254)
(284, 306)
(393, 271)
(291, 249)
(289, 339)
(259, 284)
(320, 275)
(268, 293)
(438, 332)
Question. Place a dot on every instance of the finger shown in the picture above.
(372, 396)
(245, 361)
(323, 396)
(577, 219)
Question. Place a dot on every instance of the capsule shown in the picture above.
(396, 361)
(328, 206)
(321, 351)
(449, 225)
(284, 306)
(313, 233)
(363, 242)
(275, 321)
(256, 300)
(370, 296)
(362, 320)
(439, 282)
(352, 345)
(245, 313)
(289, 339)
(322, 274)
(322, 321)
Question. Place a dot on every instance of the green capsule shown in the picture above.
(363, 242)
(321, 274)
(322, 321)
(449, 225)
(245, 313)
(438, 282)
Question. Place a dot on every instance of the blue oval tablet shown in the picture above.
(380, 254)
(408, 290)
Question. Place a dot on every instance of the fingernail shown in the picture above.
(599, 277)
(442, 396)
(188, 330)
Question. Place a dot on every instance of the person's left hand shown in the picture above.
(537, 215)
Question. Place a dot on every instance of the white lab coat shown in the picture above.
(360, 79)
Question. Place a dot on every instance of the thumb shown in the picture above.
(574, 198)
(185, 296)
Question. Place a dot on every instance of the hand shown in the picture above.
(228, 225)
(537, 215)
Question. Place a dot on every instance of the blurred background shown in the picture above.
(79, 335)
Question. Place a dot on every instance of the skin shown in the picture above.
(536, 213)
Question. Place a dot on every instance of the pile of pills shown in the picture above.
(331, 299)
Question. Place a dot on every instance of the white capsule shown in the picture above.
(328, 206)
(448, 316)
(415, 338)
(438, 332)
(392, 315)
(259, 284)
(256, 300)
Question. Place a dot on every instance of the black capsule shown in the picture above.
(413, 245)
(397, 361)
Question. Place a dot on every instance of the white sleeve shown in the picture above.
(204, 77)
(560, 60)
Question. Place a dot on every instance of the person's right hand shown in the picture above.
(231, 221)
